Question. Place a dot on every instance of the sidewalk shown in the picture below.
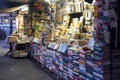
(3, 47)
(19, 69)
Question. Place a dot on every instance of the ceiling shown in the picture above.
(4, 4)
(7, 6)
(20, 1)
(12, 9)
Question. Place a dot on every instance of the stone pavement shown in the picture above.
(19, 69)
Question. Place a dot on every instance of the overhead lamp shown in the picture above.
(24, 9)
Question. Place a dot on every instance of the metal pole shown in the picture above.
(11, 24)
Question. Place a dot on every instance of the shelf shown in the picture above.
(75, 13)
(72, 3)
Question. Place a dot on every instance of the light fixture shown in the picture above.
(24, 9)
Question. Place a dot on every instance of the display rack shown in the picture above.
(86, 55)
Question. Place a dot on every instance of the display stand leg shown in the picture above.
(10, 51)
